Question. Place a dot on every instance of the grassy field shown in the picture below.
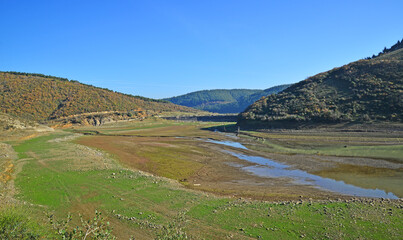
(57, 175)
(373, 145)
(155, 128)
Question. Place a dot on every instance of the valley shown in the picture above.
(160, 178)
(179, 120)
(224, 100)
(201, 158)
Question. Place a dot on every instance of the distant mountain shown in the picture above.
(41, 97)
(224, 100)
(362, 91)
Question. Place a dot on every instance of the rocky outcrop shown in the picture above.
(98, 118)
(8, 122)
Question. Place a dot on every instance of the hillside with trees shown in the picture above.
(368, 90)
(41, 97)
(396, 46)
(224, 100)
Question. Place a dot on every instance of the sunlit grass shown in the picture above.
(331, 146)
(50, 180)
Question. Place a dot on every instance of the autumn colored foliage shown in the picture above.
(41, 97)
(362, 91)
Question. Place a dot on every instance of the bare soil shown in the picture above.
(217, 172)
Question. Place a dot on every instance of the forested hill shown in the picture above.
(363, 91)
(42, 97)
(224, 100)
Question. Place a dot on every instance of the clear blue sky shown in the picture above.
(163, 48)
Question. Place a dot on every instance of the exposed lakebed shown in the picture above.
(268, 168)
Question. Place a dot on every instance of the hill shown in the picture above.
(368, 90)
(40, 97)
(12, 123)
(224, 100)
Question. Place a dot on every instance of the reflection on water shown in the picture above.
(228, 143)
(268, 168)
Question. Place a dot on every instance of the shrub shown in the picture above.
(95, 228)
(15, 224)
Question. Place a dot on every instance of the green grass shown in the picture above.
(319, 145)
(48, 179)
(137, 125)
(141, 126)
(171, 163)
(291, 221)
(39, 145)
(388, 152)
(17, 223)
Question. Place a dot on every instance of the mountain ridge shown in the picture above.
(223, 100)
(362, 91)
(41, 97)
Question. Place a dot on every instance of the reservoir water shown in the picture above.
(228, 143)
(268, 168)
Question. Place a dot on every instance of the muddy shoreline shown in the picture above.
(221, 174)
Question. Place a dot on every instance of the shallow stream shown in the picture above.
(268, 168)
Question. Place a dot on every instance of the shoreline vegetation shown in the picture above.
(54, 172)
(79, 162)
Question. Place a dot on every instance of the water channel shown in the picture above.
(268, 168)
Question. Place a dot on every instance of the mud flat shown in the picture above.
(245, 167)
(56, 174)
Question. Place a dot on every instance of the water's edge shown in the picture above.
(268, 168)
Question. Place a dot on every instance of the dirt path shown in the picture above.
(9, 169)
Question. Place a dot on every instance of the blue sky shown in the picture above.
(163, 48)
